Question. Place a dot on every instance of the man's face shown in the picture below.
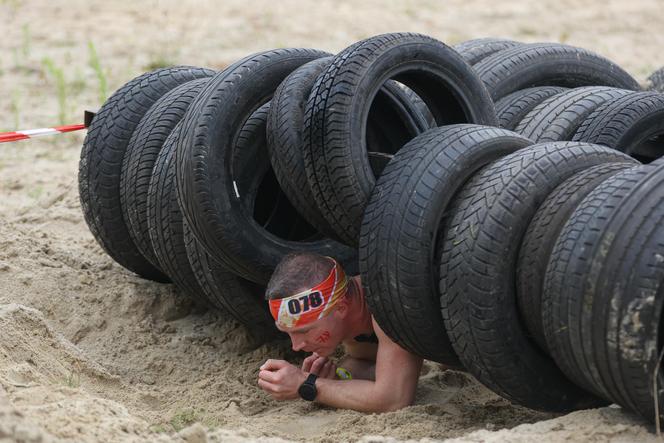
(322, 336)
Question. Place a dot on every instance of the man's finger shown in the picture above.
(268, 387)
(318, 365)
(273, 365)
(269, 376)
(322, 373)
(306, 364)
(328, 369)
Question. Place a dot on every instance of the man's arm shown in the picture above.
(397, 373)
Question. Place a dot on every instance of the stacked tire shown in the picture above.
(177, 185)
(464, 185)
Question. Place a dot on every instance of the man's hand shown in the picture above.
(321, 366)
(280, 379)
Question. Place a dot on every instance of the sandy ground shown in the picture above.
(89, 352)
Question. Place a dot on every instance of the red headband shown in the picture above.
(308, 306)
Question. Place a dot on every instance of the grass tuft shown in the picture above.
(160, 61)
(35, 193)
(61, 87)
(14, 105)
(99, 71)
(183, 419)
(26, 41)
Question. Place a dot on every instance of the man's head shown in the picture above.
(308, 296)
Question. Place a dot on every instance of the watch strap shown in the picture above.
(308, 389)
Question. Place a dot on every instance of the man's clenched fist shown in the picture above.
(280, 379)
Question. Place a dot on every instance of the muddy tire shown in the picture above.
(100, 166)
(478, 273)
(541, 236)
(141, 155)
(608, 259)
(402, 225)
(165, 221)
(241, 299)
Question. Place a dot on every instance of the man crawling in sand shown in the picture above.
(313, 301)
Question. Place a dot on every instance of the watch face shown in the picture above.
(308, 389)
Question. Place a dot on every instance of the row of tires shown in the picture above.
(388, 156)
(546, 266)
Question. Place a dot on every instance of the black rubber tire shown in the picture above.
(240, 298)
(165, 221)
(478, 273)
(285, 125)
(549, 64)
(141, 155)
(335, 153)
(542, 234)
(284, 139)
(417, 102)
(100, 166)
(559, 117)
(512, 108)
(655, 81)
(608, 257)
(633, 124)
(210, 179)
(476, 50)
(401, 227)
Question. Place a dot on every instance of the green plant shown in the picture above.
(183, 419)
(73, 380)
(35, 193)
(13, 4)
(15, 108)
(61, 87)
(160, 61)
(564, 36)
(99, 71)
(158, 429)
(410, 11)
(78, 84)
(527, 31)
(26, 42)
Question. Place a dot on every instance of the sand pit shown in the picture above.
(90, 352)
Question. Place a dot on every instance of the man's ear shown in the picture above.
(343, 307)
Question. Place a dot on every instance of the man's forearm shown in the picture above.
(360, 395)
(359, 369)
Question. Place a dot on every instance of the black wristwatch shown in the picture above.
(307, 390)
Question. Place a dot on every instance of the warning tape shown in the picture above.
(32, 133)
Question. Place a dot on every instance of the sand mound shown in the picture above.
(601, 425)
(51, 390)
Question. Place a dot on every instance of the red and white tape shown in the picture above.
(32, 133)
